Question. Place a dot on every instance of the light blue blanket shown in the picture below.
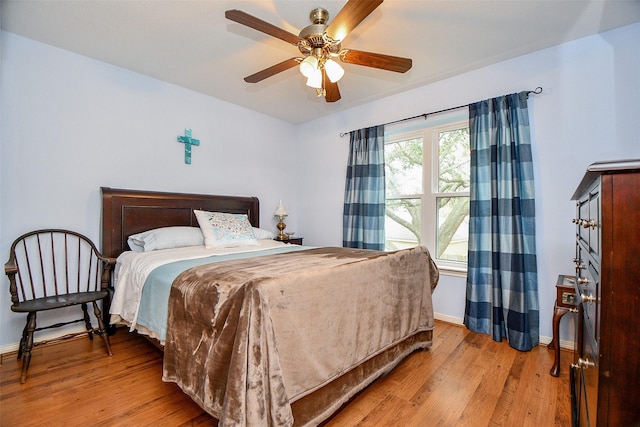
(154, 302)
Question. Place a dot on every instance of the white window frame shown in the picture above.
(430, 194)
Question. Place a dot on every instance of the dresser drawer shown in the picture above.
(583, 214)
(594, 225)
(588, 383)
(588, 222)
(588, 296)
(585, 263)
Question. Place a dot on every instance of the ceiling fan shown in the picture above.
(320, 46)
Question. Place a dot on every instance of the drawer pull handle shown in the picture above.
(587, 298)
(585, 363)
(586, 223)
(583, 280)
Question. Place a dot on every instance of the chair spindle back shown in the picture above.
(53, 263)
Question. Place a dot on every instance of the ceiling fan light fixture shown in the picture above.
(315, 79)
(309, 66)
(334, 70)
(320, 46)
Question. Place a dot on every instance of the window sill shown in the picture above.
(448, 270)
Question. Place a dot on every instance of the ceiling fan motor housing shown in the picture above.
(319, 16)
(314, 35)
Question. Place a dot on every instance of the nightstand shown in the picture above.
(566, 302)
(292, 240)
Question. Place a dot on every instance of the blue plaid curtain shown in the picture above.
(364, 193)
(502, 277)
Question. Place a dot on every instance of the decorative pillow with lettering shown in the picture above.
(224, 230)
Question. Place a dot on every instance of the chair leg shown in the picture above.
(106, 317)
(23, 340)
(28, 345)
(87, 321)
(104, 334)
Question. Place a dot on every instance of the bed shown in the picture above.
(279, 338)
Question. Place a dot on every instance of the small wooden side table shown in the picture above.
(292, 240)
(566, 302)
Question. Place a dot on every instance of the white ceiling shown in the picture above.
(190, 43)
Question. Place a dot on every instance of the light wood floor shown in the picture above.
(464, 379)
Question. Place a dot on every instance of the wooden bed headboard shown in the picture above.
(127, 212)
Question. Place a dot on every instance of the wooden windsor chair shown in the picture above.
(53, 269)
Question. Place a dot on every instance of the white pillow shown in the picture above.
(166, 238)
(135, 245)
(225, 229)
(262, 234)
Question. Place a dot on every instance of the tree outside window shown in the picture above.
(429, 205)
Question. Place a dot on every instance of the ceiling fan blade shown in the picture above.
(352, 14)
(273, 70)
(331, 91)
(262, 26)
(376, 60)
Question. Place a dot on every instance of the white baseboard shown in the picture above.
(52, 335)
(567, 345)
(8, 348)
(448, 319)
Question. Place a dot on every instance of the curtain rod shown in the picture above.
(536, 91)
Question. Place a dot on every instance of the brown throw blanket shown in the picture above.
(247, 338)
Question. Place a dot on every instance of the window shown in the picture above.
(427, 195)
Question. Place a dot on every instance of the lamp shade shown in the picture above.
(315, 80)
(334, 70)
(280, 211)
(308, 66)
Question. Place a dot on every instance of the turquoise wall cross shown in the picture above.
(188, 142)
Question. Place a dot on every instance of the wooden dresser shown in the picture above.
(605, 375)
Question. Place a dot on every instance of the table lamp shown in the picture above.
(281, 213)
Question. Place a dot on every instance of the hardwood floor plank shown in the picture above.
(486, 396)
(562, 392)
(507, 401)
(456, 381)
(464, 379)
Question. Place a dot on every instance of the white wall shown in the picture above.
(71, 124)
(587, 112)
